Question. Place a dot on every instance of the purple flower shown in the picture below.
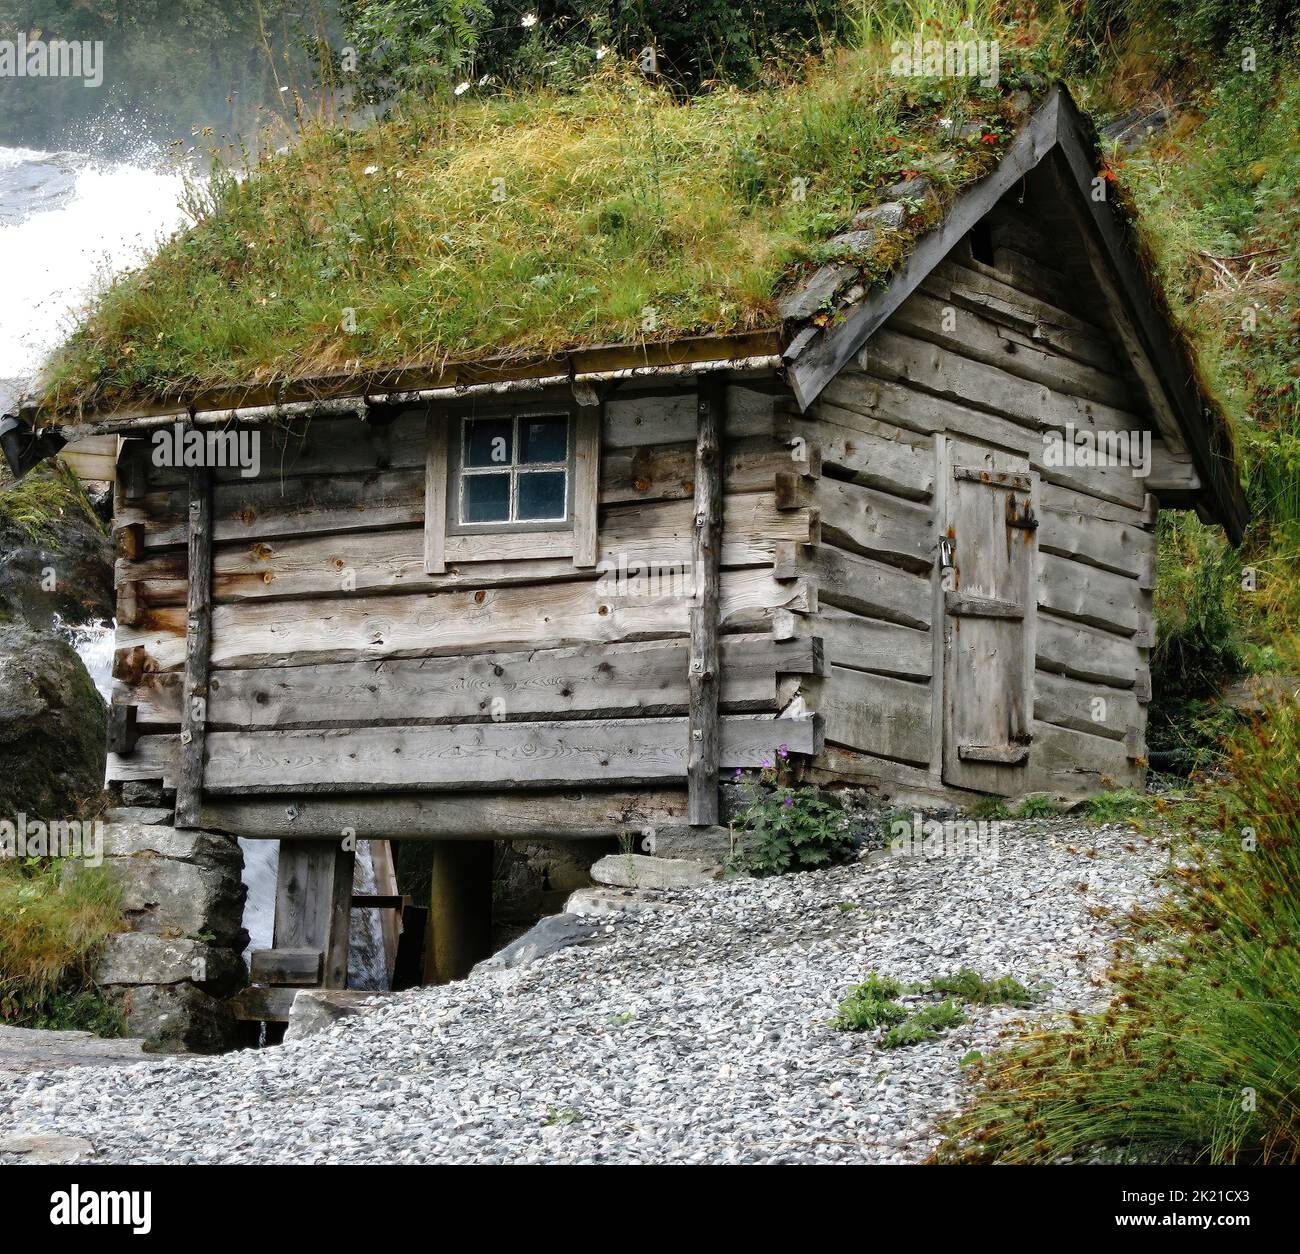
(739, 772)
(767, 764)
(783, 750)
(789, 801)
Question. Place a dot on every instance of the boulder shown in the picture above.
(634, 870)
(598, 902)
(68, 572)
(908, 189)
(175, 1018)
(817, 292)
(160, 840)
(888, 217)
(53, 727)
(558, 931)
(315, 1009)
(45, 1147)
(133, 958)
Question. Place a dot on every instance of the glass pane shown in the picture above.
(544, 439)
(541, 494)
(488, 442)
(486, 498)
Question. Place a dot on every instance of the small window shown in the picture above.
(512, 471)
(512, 485)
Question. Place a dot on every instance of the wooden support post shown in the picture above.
(198, 651)
(460, 915)
(706, 542)
(313, 903)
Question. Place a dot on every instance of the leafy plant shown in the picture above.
(1117, 805)
(968, 985)
(870, 1005)
(783, 829)
(924, 1025)
(1038, 806)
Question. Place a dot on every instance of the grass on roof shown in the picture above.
(528, 223)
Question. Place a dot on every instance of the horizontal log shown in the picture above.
(590, 681)
(858, 583)
(1091, 708)
(286, 966)
(1088, 595)
(877, 714)
(866, 644)
(1072, 763)
(595, 813)
(912, 407)
(502, 755)
(636, 416)
(871, 457)
(875, 524)
(645, 541)
(1083, 652)
(1095, 541)
(288, 633)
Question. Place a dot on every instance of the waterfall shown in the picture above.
(68, 223)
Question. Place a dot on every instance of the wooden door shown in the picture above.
(989, 585)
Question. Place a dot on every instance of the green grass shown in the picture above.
(52, 924)
(531, 223)
(970, 986)
(870, 1005)
(36, 502)
(1196, 1057)
(924, 1025)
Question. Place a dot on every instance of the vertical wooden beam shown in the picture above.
(460, 914)
(706, 544)
(198, 651)
(435, 495)
(586, 486)
(313, 902)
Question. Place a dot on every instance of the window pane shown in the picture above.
(544, 439)
(486, 499)
(541, 494)
(488, 442)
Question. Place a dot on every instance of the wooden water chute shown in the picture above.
(564, 598)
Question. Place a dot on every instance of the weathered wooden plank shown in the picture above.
(198, 652)
(891, 463)
(1095, 541)
(436, 475)
(1091, 708)
(303, 967)
(1072, 763)
(867, 644)
(504, 755)
(589, 681)
(858, 583)
(913, 408)
(1083, 652)
(705, 737)
(874, 713)
(313, 903)
(938, 321)
(875, 524)
(498, 815)
(658, 415)
(586, 485)
(1089, 595)
(660, 472)
(343, 629)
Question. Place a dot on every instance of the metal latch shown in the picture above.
(946, 550)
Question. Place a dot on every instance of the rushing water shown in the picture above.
(68, 223)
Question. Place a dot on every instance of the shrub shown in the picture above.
(870, 1005)
(1195, 1057)
(51, 925)
(969, 985)
(924, 1025)
(783, 828)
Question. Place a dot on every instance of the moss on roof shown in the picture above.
(527, 224)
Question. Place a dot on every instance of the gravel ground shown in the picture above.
(696, 1033)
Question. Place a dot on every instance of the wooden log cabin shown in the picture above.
(561, 598)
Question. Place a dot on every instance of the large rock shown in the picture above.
(134, 958)
(634, 870)
(175, 1018)
(315, 1009)
(40, 1049)
(556, 932)
(598, 902)
(68, 573)
(171, 896)
(53, 728)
